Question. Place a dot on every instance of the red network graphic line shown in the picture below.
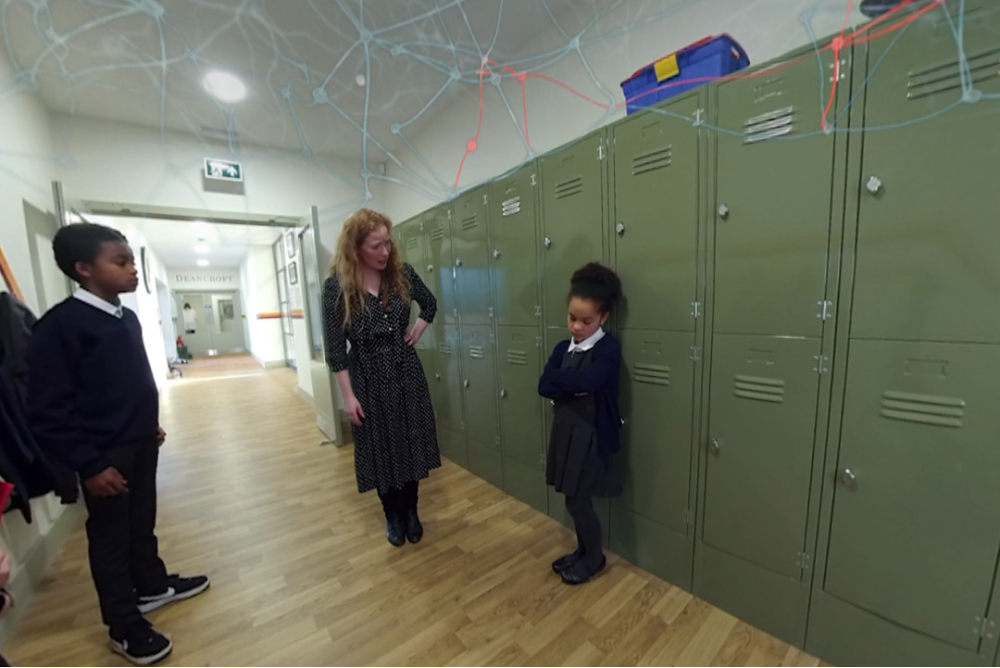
(863, 35)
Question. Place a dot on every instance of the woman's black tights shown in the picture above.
(588, 528)
(400, 501)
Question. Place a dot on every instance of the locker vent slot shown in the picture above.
(569, 188)
(651, 373)
(755, 388)
(518, 357)
(412, 242)
(444, 348)
(470, 222)
(652, 161)
(947, 77)
(477, 352)
(923, 409)
(437, 234)
(773, 124)
(511, 206)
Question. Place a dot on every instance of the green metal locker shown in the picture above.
(769, 250)
(470, 247)
(656, 171)
(440, 274)
(479, 388)
(448, 379)
(650, 521)
(520, 359)
(910, 527)
(514, 254)
(573, 206)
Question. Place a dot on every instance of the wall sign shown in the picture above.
(223, 170)
(200, 279)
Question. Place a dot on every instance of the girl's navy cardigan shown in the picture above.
(600, 378)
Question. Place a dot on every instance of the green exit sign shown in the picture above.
(223, 170)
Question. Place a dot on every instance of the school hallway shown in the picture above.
(302, 573)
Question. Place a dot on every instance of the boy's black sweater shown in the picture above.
(90, 387)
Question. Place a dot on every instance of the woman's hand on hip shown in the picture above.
(413, 336)
(354, 411)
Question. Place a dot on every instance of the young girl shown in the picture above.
(581, 377)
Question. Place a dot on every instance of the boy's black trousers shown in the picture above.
(124, 553)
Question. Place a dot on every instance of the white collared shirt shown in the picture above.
(587, 343)
(91, 299)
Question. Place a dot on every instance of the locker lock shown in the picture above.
(548, 242)
(849, 479)
(437, 376)
(430, 268)
(723, 211)
(458, 263)
(503, 393)
(465, 383)
(874, 185)
(496, 255)
(620, 229)
(715, 447)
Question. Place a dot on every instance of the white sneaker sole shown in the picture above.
(150, 606)
(118, 648)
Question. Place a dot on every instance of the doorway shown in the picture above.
(211, 323)
(52, 286)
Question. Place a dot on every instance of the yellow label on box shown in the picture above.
(667, 68)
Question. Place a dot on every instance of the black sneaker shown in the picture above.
(141, 644)
(178, 589)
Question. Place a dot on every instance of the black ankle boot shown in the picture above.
(395, 529)
(414, 529)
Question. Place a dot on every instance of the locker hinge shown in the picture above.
(486, 199)
(822, 363)
(491, 312)
(455, 312)
(541, 459)
(538, 342)
(496, 439)
(449, 214)
(698, 117)
(538, 311)
(696, 353)
(600, 151)
(421, 226)
(696, 309)
(803, 560)
(985, 628)
(534, 180)
(825, 308)
(689, 517)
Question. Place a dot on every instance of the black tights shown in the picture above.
(588, 528)
(400, 501)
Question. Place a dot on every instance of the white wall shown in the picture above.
(766, 30)
(260, 290)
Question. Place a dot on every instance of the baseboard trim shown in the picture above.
(273, 364)
(33, 571)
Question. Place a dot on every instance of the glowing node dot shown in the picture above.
(521, 76)
(972, 96)
(471, 145)
(360, 79)
(365, 36)
(397, 50)
(456, 74)
(837, 44)
(321, 96)
(575, 43)
(366, 173)
(396, 127)
(495, 79)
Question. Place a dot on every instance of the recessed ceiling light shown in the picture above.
(203, 262)
(201, 227)
(201, 247)
(225, 86)
(360, 79)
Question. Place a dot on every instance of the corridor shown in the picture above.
(302, 573)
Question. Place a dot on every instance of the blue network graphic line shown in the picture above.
(335, 94)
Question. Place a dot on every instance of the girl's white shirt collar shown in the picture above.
(587, 343)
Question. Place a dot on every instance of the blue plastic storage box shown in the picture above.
(688, 68)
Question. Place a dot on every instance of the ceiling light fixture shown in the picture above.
(225, 86)
(201, 247)
(203, 262)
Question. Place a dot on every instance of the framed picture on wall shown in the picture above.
(290, 243)
(293, 273)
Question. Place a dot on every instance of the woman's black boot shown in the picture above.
(414, 529)
(395, 529)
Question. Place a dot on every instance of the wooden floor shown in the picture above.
(217, 367)
(302, 573)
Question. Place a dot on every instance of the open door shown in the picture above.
(326, 397)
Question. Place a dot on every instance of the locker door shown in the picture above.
(410, 240)
(522, 433)
(515, 248)
(572, 218)
(448, 379)
(480, 395)
(440, 260)
(471, 251)
(656, 164)
(649, 524)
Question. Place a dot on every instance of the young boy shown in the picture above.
(93, 404)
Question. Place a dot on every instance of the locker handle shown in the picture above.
(465, 383)
(620, 229)
(874, 185)
(437, 376)
(723, 211)
(715, 447)
(458, 263)
(548, 242)
(503, 393)
(496, 254)
(849, 479)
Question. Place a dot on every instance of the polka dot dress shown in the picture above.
(398, 441)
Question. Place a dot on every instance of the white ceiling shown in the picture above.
(142, 61)
(174, 241)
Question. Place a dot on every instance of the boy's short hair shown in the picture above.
(81, 242)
